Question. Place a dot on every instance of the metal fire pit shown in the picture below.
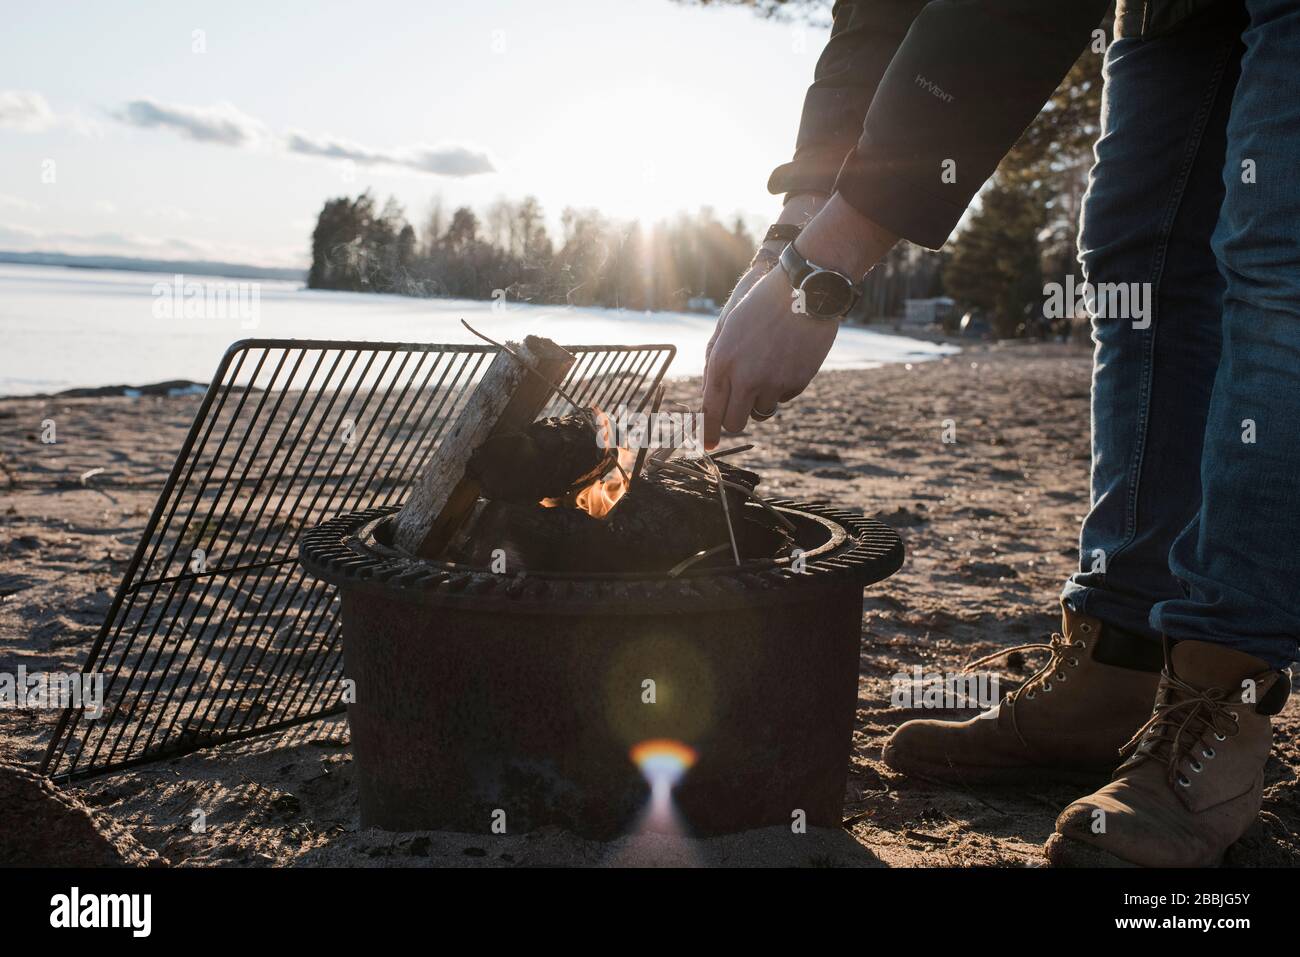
(483, 698)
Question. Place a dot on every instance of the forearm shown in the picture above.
(841, 238)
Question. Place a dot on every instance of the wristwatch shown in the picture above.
(827, 293)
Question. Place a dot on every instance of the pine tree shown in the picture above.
(995, 263)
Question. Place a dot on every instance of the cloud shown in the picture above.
(221, 123)
(25, 238)
(25, 110)
(20, 238)
(17, 202)
(451, 160)
(28, 112)
(82, 124)
(224, 125)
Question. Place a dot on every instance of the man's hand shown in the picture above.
(799, 209)
(763, 264)
(763, 352)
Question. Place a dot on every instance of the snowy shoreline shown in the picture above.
(96, 329)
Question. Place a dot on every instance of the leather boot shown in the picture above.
(1194, 777)
(1067, 721)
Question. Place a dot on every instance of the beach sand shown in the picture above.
(990, 523)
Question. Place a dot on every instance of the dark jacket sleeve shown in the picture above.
(966, 81)
(863, 40)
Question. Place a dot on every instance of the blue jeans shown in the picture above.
(1194, 526)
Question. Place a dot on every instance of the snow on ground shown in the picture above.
(66, 328)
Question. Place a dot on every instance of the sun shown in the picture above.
(633, 151)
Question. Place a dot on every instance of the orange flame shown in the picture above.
(598, 498)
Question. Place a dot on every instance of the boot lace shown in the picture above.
(1183, 717)
(1062, 653)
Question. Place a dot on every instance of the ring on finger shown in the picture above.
(760, 416)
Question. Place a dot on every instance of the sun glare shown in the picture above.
(647, 154)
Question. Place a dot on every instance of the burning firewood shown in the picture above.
(663, 519)
(515, 388)
(552, 495)
(551, 458)
(667, 517)
(530, 537)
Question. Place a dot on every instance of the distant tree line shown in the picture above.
(508, 250)
(595, 261)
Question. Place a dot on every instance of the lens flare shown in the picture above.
(660, 837)
(663, 759)
(663, 762)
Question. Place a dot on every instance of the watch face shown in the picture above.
(827, 294)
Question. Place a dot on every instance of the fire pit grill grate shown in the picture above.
(216, 633)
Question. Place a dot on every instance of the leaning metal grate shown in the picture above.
(216, 633)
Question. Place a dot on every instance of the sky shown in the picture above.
(217, 130)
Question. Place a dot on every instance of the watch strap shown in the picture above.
(796, 267)
(782, 233)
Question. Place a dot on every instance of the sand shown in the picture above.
(990, 523)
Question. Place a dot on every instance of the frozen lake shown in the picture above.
(62, 328)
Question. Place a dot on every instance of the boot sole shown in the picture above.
(1062, 851)
(971, 774)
